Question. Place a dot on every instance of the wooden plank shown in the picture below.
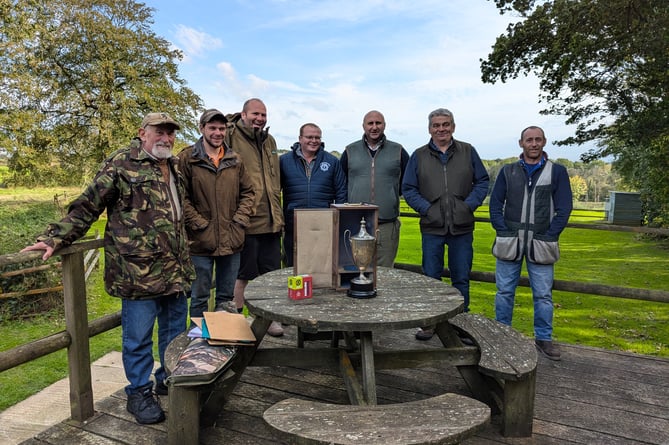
(445, 419)
(355, 392)
(183, 421)
(367, 367)
(76, 323)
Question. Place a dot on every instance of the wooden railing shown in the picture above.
(78, 330)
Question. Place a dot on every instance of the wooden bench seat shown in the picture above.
(445, 419)
(505, 377)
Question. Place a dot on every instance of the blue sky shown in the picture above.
(329, 62)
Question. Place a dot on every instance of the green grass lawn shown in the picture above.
(595, 256)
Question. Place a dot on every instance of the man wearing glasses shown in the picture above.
(310, 178)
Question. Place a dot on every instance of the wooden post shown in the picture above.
(76, 324)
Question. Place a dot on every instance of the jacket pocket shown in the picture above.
(462, 214)
(434, 217)
(203, 241)
(237, 236)
(507, 246)
(137, 275)
(544, 250)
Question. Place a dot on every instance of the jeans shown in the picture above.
(460, 257)
(507, 274)
(227, 267)
(137, 320)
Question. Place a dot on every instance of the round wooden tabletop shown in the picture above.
(404, 300)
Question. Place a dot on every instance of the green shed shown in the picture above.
(624, 208)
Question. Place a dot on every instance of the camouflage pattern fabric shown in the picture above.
(146, 249)
(200, 363)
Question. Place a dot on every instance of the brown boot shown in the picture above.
(548, 348)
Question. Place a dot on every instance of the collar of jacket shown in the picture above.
(451, 147)
(252, 134)
(200, 152)
(381, 143)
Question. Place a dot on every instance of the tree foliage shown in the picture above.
(604, 64)
(77, 78)
(579, 188)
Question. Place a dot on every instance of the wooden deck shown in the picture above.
(592, 396)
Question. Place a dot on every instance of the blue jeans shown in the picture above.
(507, 274)
(227, 267)
(460, 257)
(137, 320)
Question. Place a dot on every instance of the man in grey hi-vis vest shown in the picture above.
(530, 206)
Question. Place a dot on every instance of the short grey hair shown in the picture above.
(532, 127)
(440, 112)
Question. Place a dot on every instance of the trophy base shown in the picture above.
(359, 290)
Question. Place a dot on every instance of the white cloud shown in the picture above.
(195, 43)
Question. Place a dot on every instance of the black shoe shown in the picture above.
(160, 388)
(424, 334)
(549, 349)
(145, 406)
(467, 341)
(226, 306)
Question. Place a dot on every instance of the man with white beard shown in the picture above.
(147, 263)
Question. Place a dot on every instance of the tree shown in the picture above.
(77, 78)
(604, 65)
(579, 188)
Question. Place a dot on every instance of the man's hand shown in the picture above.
(40, 245)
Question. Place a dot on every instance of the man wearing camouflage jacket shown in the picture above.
(147, 263)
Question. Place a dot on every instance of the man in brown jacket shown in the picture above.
(218, 207)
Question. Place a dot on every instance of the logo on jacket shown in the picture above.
(325, 166)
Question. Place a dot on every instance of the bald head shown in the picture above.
(254, 114)
(374, 124)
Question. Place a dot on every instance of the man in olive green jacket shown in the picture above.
(247, 136)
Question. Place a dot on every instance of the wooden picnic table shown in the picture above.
(404, 300)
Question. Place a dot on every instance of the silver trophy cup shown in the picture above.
(363, 249)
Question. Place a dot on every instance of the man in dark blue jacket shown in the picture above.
(530, 205)
(311, 178)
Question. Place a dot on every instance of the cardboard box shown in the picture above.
(321, 249)
(225, 328)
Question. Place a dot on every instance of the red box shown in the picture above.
(300, 287)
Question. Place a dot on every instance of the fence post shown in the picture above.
(76, 324)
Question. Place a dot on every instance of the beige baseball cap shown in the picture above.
(159, 119)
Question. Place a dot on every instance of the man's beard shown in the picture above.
(161, 151)
(212, 144)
